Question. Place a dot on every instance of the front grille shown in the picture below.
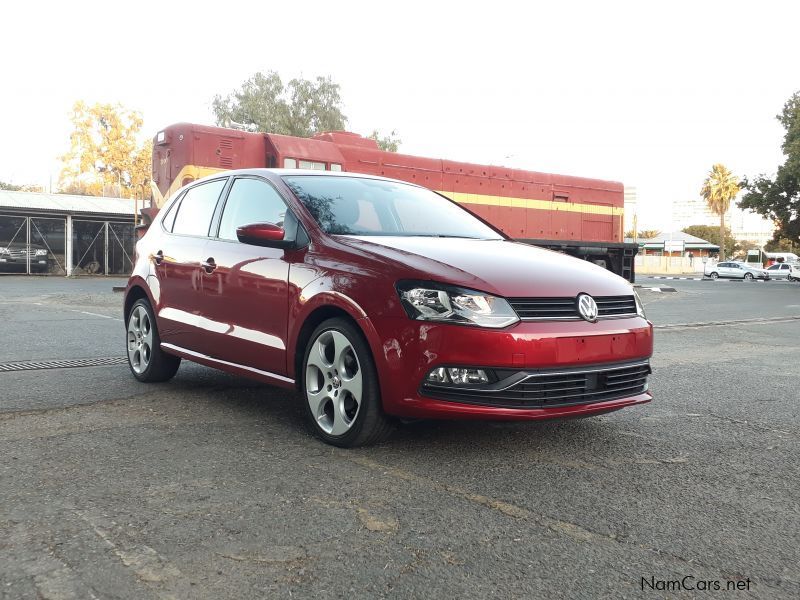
(545, 309)
(17, 253)
(551, 387)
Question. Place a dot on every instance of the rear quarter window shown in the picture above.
(169, 218)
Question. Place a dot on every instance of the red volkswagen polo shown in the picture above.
(378, 300)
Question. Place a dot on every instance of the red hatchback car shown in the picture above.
(376, 300)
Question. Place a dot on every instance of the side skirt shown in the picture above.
(229, 367)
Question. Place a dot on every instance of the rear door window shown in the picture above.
(197, 208)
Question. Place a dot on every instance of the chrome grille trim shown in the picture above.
(566, 309)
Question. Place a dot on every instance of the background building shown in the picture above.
(631, 207)
(674, 252)
(744, 225)
(59, 234)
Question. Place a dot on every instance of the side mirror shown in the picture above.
(263, 234)
(291, 236)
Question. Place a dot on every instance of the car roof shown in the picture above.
(263, 172)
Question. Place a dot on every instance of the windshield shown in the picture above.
(361, 206)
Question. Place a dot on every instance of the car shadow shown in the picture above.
(261, 403)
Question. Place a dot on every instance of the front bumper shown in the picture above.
(20, 264)
(407, 350)
(548, 388)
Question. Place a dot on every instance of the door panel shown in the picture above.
(244, 306)
(245, 295)
(178, 261)
(180, 281)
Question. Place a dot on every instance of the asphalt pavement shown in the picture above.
(210, 486)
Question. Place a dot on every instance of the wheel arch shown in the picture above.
(135, 292)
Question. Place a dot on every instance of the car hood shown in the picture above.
(500, 267)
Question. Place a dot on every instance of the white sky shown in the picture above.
(647, 93)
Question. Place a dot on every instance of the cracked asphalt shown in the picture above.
(210, 486)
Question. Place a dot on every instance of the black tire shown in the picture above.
(364, 419)
(748, 276)
(153, 364)
(714, 275)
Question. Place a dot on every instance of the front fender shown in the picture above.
(315, 296)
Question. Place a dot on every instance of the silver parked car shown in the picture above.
(788, 271)
(736, 270)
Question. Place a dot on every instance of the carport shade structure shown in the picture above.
(100, 225)
(697, 246)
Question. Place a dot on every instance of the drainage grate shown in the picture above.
(63, 364)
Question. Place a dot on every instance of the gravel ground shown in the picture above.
(210, 486)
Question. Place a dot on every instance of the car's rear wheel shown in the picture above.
(714, 275)
(147, 361)
(339, 383)
(748, 276)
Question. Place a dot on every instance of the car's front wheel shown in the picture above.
(340, 387)
(714, 275)
(148, 362)
(748, 276)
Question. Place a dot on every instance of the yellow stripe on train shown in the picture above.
(595, 209)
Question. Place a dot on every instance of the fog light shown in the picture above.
(438, 376)
(459, 376)
(462, 376)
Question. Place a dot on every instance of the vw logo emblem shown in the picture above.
(587, 307)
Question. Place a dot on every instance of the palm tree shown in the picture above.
(719, 188)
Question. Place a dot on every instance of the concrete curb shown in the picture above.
(657, 289)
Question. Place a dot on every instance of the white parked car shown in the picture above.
(784, 271)
(736, 270)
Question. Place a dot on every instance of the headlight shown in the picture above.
(41, 252)
(639, 305)
(4, 250)
(428, 301)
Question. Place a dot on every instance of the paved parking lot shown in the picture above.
(210, 486)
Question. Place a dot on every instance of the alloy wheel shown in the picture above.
(140, 339)
(334, 382)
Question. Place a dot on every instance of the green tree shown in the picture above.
(314, 106)
(719, 188)
(389, 143)
(711, 234)
(9, 187)
(742, 246)
(778, 198)
(105, 152)
(781, 245)
(644, 234)
(301, 108)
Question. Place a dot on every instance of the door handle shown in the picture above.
(209, 265)
(158, 257)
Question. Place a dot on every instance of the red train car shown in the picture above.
(579, 216)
